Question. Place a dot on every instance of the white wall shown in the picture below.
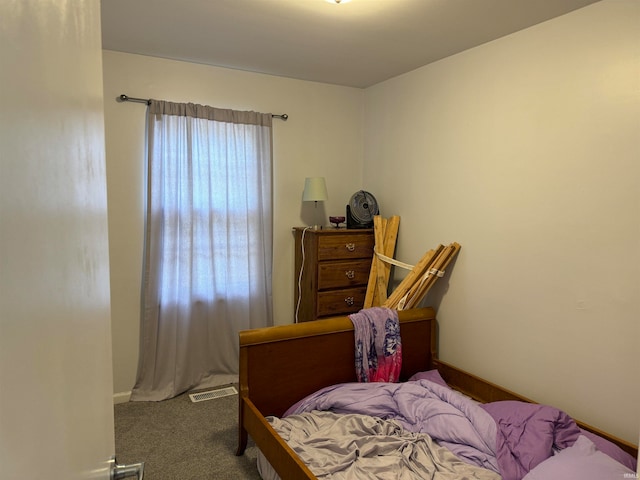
(523, 150)
(526, 152)
(323, 137)
(56, 412)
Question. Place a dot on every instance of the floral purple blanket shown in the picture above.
(378, 345)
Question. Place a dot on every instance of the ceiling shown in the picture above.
(358, 43)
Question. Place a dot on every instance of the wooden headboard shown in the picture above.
(281, 365)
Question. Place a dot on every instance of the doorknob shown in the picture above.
(119, 472)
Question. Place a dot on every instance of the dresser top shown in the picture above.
(332, 230)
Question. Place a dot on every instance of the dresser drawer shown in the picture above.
(341, 302)
(332, 268)
(343, 274)
(337, 247)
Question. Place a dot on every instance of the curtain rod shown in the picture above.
(126, 98)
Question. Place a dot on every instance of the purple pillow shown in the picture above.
(611, 449)
(581, 461)
(431, 375)
(527, 434)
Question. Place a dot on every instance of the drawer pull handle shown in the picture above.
(349, 301)
(351, 246)
(350, 274)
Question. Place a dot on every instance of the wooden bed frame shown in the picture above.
(283, 364)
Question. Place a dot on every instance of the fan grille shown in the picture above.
(363, 206)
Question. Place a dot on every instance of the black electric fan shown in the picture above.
(361, 209)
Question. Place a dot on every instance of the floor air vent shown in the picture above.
(211, 394)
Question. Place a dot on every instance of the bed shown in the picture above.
(281, 365)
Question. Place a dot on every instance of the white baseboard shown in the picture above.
(121, 397)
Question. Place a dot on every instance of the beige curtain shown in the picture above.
(208, 245)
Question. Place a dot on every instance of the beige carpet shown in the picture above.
(181, 440)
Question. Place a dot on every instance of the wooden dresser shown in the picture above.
(332, 271)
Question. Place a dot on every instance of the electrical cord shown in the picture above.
(300, 274)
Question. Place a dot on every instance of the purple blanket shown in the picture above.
(510, 438)
(528, 434)
(451, 419)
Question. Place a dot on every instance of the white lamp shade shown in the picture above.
(315, 190)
